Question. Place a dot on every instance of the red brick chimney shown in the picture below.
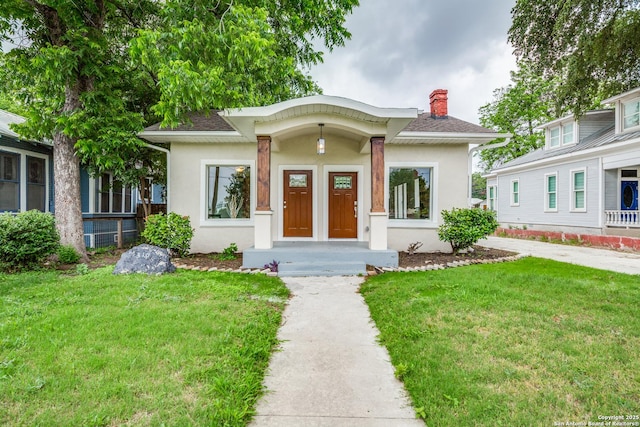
(438, 103)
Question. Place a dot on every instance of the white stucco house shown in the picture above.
(319, 169)
(584, 180)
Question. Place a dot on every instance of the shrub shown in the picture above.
(462, 228)
(228, 253)
(68, 255)
(26, 239)
(170, 231)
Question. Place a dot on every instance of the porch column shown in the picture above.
(378, 216)
(262, 221)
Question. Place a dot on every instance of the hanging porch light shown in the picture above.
(320, 145)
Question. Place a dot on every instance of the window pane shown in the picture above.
(552, 200)
(36, 197)
(9, 196)
(551, 183)
(127, 198)
(578, 181)
(117, 197)
(567, 133)
(555, 137)
(229, 191)
(8, 167)
(410, 193)
(579, 200)
(105, 189)
(35, 170)
(631, 113)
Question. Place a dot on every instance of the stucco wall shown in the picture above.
(188, 162)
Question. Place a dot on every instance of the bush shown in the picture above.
(462, 228)
(170, 231)
(26, 239)
(228, 253)
(68, 255)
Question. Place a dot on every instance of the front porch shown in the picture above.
(320, 258)
(622, 218)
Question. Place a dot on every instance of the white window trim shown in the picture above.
(204, 206)
(435, 212)
(546, 192)
(620, 111)
(512, 202)
(560, 126)
(22, 183)
(572, 172)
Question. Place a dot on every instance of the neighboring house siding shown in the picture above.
(589, 126)
(531, 210)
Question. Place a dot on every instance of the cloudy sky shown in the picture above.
(401, 50)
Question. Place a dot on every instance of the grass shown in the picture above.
(189, 348)
(532, 342)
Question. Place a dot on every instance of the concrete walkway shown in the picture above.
(604, 259)
(330, 370)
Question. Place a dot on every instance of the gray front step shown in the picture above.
(341, 268)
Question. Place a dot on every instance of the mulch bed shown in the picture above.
(207, 261)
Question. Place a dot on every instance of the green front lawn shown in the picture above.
(531, 342)
(189, 348)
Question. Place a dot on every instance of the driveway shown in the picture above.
(604, 259)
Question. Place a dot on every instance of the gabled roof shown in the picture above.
(426, 123)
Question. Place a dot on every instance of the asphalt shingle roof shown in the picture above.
(198, 122)
(426, 123)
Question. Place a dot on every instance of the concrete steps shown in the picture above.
(334, 258)
(322, 268)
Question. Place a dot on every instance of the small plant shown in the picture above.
(228, 253)
(413, 247)
(170, 231)
(26, 239)
(68, 255)
(462, 228)
(272, 266)
(82, 269)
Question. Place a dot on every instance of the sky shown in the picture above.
(402, 50)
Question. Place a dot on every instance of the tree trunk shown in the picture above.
(66, 178)
(66, 181)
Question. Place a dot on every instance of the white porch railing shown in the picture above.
(622, 218)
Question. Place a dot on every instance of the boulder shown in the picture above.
(145, 259)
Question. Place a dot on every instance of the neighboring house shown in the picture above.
(584, 180)
(26, 182)
(319, 169)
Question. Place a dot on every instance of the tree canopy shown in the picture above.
(518, 109)
(592, 47)
(90, 74)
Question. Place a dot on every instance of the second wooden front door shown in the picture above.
(343, 205)
(298, 203)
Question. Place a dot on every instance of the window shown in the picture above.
(9, 182)
(36, 183)
(114, 197)
(515, 192)
(228, 191)
(551, 193)
(492, 198)
(562, 135)
(410, 193)
(578, 190)
(631, 114)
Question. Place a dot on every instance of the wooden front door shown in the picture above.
(298, 203)
(343, 205)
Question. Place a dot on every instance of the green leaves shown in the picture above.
(591, 46)
(462, 228)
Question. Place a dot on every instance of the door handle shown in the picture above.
(355, 209)
(285, 205)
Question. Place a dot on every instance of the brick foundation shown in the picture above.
(613, 242)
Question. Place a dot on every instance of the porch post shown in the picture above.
(378, 216)
(262, 221)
